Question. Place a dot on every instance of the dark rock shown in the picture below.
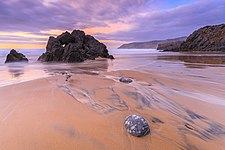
(137, 126)
(74, 56)
(65, 38)
(78, 36)
(74, 47)
(170, 46)
(57, 54)
(46, 57)
(73, 53)
(209, 38)
(187, 125)
(111, 57)
(156, 120)
(68, 75)
(95, 48)
(52, 44)
(14, 56)
(125, 80)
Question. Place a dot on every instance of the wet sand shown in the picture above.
(88, 111)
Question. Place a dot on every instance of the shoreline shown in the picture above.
(22, 82)
(50, 111)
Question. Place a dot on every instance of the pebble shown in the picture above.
(156, 120)
(125, 80)
(136, 125)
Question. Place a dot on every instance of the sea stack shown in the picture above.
(14, 56)
(73, 47)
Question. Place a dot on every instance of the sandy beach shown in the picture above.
(88, 112)
(112, 75)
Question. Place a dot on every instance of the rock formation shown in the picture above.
(209, 38)
(150, 44)
(73, 47)
(170, 46)
(14, 56)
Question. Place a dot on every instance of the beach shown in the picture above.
(112, 75)
(183, 102)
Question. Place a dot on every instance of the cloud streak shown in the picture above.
(112, 21)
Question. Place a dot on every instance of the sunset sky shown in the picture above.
(29, 23)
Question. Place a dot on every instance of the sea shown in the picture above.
(208, 65)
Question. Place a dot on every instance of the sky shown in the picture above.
(29, 23)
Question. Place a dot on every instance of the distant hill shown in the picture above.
(149, 44)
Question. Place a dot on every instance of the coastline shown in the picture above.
(112, 75)
(22, 82)
(44, 113)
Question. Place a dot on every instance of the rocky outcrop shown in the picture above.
(14, 56)
(74, 47)
(170, 46)
(209, 38)
(150, 44)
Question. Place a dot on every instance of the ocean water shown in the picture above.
(144, 60)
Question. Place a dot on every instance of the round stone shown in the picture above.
(125, 80)
(136, 125)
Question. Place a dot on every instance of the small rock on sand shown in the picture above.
(136, 125)
(125, 80)
(156, 120)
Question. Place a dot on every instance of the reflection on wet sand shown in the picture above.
(143, 98)
(82, 106)
(88, 67)
(16, 69)
(88, 112)
(196, 60)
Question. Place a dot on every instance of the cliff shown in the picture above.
(209, 38)
(150, 44)
(169, 46)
